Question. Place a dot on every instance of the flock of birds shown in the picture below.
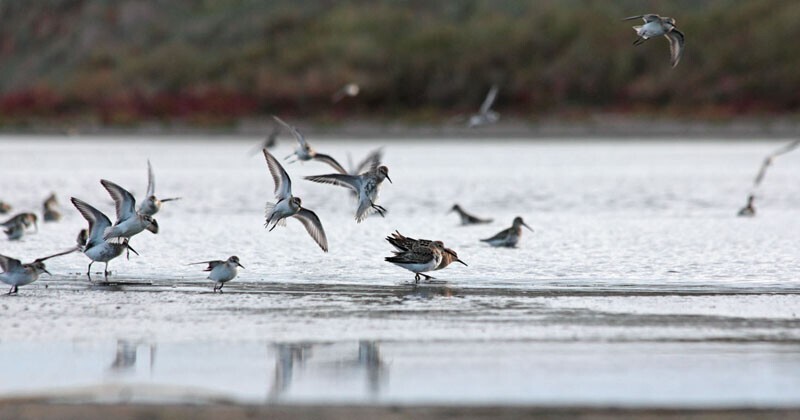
(104, 241)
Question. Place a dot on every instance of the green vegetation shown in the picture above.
(211, 62)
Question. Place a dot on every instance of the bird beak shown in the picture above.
(131, 249)
(390, 179)
(462, 262)
(529, 228)
(153, 227)
(240, 265)
(45, 271)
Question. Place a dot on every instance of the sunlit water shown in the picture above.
(639, 285)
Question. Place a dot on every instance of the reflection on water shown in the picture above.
(125, 355)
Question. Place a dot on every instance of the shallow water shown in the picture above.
(639, 285)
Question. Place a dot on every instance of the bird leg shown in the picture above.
(105, 272)
(89, 271)
(11, 291)
(416, 278)
(377, 208)
(639, 41)
(427, 277)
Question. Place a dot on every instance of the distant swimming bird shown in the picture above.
(151, 205)
(762, 171)
(129, 222)
(17, 274)
(350, 89)
(304, 151)
(485, 115)
(420, 259)
(4, 207)
(468, 219)
(508, 237)
(50, 209)
(656, 25)
(221, 271)
(26, 219)
(288, 205)
(15, 231)
(365, 185)
(748, 210)
(269, 142)
(404, 244)
(92, 244)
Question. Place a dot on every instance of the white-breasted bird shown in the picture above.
(17, 274)
(221, 272)
(366, 186)
(485, 115)
(129, 222)
(151, 204)
(304, 151)
(508, 237)
(91, 242)
(655, 25)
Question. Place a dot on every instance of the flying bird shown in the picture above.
(655, 25)
(768, 161)
(366, 186)
(350, 89)
(290, 206)
(151, 205)
(485, 115)
(304, 152)
(748, 210)
(129, 222)
(92, 244)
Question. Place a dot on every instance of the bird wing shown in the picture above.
(489, 101)
(330, 161)
(69, 251)
(348, 181)
(417, 256)
(647, 18)
(676, 42)
(211, 264)
(372, 161)
(786, 149)
(151, 180)
(295, 132)
(9, 264)
(313, 225)
(474, 219)
(283, 185)
(98, 222)
(500, 235)
(124, 201)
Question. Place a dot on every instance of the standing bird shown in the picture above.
(419, 259)
(288, 205)
(655, 25)
(17, 274)
(50, 209)
(762, 171)
(15, 231)
(151, 205)
(129, 222)
(350, 89)
(304, 151)
(485, 115)
(508, 237)
(25, 219)
(404, 243)
(92, 244)
(468, 219)
(221, 271)
(365, 185)
(748, 210)
(4, 207)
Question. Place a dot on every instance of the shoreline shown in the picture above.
(596, 126)
(32, 409)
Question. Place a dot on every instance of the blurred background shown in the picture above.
(217, 64)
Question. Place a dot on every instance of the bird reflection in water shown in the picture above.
(125, 356)
(287, 354)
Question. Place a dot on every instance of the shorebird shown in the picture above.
(748, 210)
(404, 244)
(304, 152)
(269, 142)
(4, 207)
(151, 205)
(221, 271)
(485, 115)
(50, 209)
(366, 186)
(762, 171)
(26, 219)
(468, 219)
(350, 89)
(92, 244)
(372, 160)
(129, 222)
(15, 231)
(288, 205)
(508, 237)
(419, 259)
(17, 274)
(655, 25)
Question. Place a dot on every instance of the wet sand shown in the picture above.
(42, 410)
